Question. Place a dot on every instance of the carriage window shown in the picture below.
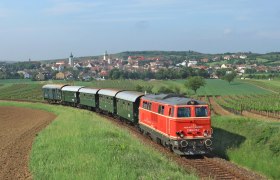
(201, 111)
(161, 109)
(184, 112)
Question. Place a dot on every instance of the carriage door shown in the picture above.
(170, 115)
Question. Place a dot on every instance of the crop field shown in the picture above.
(218, 87)
(21, 92)
(212, 87)
(273, 85)
(251, 143)
(268, 105)
(31, 90)
(82, 145)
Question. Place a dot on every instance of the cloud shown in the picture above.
(62, 7)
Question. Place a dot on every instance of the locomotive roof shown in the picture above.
(109, 92)
(89, 90)
(54, 86)
(129, 95)
(172, 99)
(72, 88)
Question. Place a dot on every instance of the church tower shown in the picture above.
(71, 60)
(105, 57)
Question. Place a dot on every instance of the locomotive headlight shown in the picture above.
(180, 133)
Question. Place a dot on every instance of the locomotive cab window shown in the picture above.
(161, 109)
(145, 105)
(184, 112)
(201, 111)
(171, 112)
(149, 106)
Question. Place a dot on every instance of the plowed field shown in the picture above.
(18, 127)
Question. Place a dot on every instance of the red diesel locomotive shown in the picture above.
(182, 124)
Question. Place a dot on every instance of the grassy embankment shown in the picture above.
(250, 143)
(82, 145)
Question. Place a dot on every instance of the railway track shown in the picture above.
(211, 167)
(206, 167)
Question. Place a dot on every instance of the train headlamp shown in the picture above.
(180, 134)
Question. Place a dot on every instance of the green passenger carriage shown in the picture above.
(107, 100)
(52, 92)
(128, 105)
(70, 95)
(89, 98)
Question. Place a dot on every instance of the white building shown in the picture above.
(192, 63)
(71, 60)
(242, 56)
(105, 57)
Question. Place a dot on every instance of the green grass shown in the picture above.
(30, 90)
(212, 87)
(220, 87)
(250, 143)
(22, 92)
(82, 145)
(273, 85)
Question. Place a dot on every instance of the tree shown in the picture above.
(195, 83)
(139, 88)
(229, 77)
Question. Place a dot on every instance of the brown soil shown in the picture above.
(18, 127)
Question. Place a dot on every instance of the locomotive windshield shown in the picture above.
(184, 112)
(201, 111)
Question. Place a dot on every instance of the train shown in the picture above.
(179, 123)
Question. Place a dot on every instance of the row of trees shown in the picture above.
(193, 83)
(180, 73)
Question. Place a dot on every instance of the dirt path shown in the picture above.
(217, 108)
(18, 127)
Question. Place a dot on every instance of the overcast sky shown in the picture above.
(48, 29)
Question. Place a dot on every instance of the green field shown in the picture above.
(250, 143)
(220, 87)
(273, 85)
(213, 86)
(82, 145)
(31, 90)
